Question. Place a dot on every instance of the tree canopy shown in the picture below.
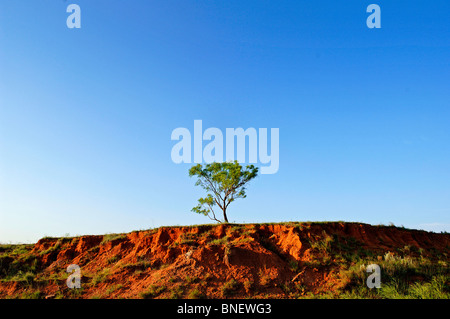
(224, 183)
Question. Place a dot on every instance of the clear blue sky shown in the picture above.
(86, 114)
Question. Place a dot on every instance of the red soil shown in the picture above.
(263, 259)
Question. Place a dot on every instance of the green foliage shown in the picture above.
(402, 277)
(335, 249)
(437, 288)
(153, 291)
(224, 183)
(186, 239)
(242, 240)
(191, 280)
(220, 241)
(293, 265)
(229, 288)
(31, 295)
(76, 293)
(23, 277)
(29, 277)
(20, 250)
(16, 263)
(113, 259)
(323, 245)
(52, 249)
(196, 294)
(111, 237)
(177, 292)
(101, 276)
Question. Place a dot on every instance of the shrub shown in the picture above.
(323, 245)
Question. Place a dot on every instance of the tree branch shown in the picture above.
(213, 188)
(214, 215)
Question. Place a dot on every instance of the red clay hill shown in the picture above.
(285, 260)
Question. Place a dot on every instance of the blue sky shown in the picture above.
(86, 114)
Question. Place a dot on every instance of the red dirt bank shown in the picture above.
(213, 261)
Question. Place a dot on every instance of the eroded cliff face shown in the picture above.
(282, 260)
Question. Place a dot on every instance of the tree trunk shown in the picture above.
(225, 215)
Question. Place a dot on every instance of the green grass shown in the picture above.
(53, 248)
(26, 278)
(402, 277)
(294, 265)
(186, 239)
(177, 292)
(114, 259)
(100, 277)
(191, 280)
(76, 293)
(243, 240)
(323, 245)
(229, 288)
(113, 288)
(152, 291)
(110, 237)
(436, 288)
(408, 272)
(219, 241)
(14, 266)
(37, 294)
(196, 294)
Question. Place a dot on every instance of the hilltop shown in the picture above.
(279, 260)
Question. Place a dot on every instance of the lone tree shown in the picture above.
(224, 183)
